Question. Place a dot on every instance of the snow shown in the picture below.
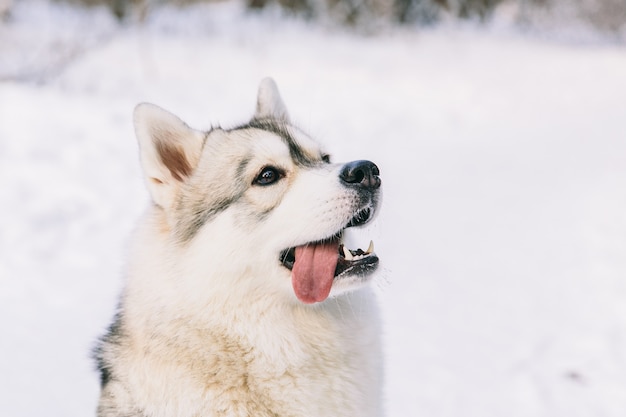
(503, 229)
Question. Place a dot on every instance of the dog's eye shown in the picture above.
(268, 176)
(326, 158)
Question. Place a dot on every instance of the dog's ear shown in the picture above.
(169, 151)
(269, 104)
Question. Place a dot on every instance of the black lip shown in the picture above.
(362, 266)
(288, 258)
(362, 217)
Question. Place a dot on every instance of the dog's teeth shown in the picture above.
(347, 254)
(370, 249)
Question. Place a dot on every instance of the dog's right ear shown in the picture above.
(169, 150)
(269, 103)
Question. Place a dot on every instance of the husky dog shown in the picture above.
(241, 299)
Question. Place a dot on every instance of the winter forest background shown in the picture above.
(604, 15)
(499, 127)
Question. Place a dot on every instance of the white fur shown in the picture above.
(153, 123)
(211, 327)
(269, 102)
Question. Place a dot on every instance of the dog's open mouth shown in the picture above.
(316, 265)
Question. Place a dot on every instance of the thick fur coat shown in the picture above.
(240, 298)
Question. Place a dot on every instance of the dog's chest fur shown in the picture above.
(225, 311)
(282, 362)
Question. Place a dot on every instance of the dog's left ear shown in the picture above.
(269, 104)
(169, 149)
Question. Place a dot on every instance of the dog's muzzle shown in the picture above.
(316, 265)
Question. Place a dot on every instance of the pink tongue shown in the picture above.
(313, 271)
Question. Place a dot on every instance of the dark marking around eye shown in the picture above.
(268, 176)
(281, 129)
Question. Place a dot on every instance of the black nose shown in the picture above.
(361, 173)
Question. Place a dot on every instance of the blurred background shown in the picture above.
(603, 15)
(499, 127)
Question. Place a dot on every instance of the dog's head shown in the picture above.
(261, 199)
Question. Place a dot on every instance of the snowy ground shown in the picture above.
(503, 230)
